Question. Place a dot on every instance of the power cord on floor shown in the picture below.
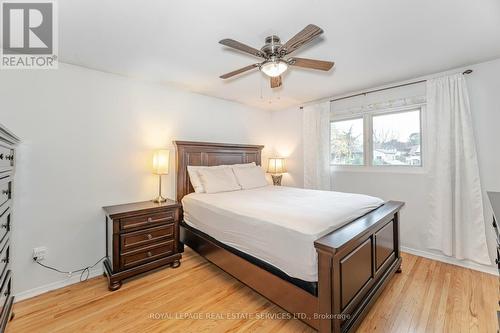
(84, 271)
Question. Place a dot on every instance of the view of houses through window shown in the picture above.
(395, 140)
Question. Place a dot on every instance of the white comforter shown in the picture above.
(276, 224)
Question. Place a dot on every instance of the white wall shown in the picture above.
(87, 139)
(483, 86)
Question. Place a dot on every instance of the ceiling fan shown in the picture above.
(275, 55)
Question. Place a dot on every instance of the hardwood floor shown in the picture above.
(429, 296)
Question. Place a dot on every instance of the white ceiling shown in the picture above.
(371, 42)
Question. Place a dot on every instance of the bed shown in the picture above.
(324, 263)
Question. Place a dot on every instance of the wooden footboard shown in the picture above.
(355, 263)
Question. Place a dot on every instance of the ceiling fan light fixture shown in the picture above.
(274, 55)
(274, 68)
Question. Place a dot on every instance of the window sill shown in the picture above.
(381, 169)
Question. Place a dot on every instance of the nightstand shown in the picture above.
(140, 237)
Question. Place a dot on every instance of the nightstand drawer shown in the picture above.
(146, 221)
(145, 237)
(140, 256)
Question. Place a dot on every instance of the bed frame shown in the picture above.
(355, 262)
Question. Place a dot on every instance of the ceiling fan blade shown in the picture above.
(276, 82)
(305, 36)
(242, 47)
(239, 71)
(311, 63)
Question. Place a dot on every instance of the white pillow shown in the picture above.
(216, 180)
(195, 178)
(250, 177)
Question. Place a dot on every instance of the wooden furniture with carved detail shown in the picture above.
(355, 262)
(8, 142)
(140, 237)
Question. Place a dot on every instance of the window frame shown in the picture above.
(368, 165)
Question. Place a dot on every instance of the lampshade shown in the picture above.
(274, 68)
(161, 159)
(276, 165)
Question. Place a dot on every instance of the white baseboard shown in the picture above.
(453, 261)
(55, 285)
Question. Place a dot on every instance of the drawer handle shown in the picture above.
(149, 254)
(149, 236)
(150, 219)
(5, 225)
(5, 260)
(6, 192)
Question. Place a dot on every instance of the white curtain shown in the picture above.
(316, 134)
(457, 226)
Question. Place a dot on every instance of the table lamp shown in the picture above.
(276, 166)
(161, 159)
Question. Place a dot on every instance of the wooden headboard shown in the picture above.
(210, 154)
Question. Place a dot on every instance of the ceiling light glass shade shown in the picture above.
(274, 68)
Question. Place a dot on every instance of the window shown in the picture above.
(396, 139)
(346, 139)
(378, 139)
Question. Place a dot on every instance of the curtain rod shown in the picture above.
(468, 71)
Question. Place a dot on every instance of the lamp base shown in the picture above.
(277, 179)
(159, 199)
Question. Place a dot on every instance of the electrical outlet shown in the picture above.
(39, 253)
